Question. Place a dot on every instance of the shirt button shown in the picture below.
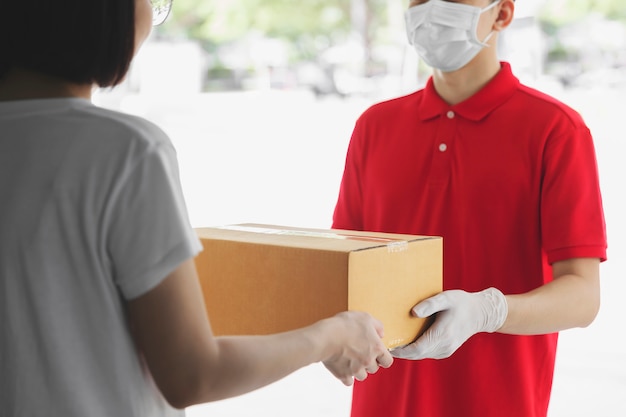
(443, 147)
(450, 114)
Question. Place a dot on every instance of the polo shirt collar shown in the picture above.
(477, 107)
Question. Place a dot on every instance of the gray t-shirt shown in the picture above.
(91, 214)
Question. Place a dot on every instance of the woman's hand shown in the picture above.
(358, 348)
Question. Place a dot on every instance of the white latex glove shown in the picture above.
(460, 315)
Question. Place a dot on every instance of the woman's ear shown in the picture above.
(505, 15)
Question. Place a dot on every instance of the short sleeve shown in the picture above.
(573, 224)
(150, 233)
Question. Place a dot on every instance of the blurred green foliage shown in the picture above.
(312, 26)
(563, 12)
(219, 21)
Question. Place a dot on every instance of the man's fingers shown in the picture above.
(432, 305)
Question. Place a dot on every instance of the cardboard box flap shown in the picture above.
(334, 239)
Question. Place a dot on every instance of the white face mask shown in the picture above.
(444, 33)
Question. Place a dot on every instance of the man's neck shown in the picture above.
(457, 86)
(20, 84)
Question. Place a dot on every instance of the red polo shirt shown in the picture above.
(509, 179)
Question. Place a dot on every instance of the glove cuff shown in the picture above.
(498, 309)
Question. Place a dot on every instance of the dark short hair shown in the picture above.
(81, 41)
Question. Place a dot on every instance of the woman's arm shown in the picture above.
(191, 366)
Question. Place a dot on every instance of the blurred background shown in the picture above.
(260, 98)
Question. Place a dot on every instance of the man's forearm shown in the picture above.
(571, 300)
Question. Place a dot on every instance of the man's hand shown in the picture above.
(460, 315)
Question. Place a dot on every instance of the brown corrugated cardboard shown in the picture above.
(261, 279)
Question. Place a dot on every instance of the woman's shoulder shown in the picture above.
(117, 125)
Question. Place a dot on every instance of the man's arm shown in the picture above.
(572, 299)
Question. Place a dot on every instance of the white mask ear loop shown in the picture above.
(491, 6)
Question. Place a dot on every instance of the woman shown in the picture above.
(100, 307)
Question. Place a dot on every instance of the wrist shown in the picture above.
(497, 309)
(323, 339)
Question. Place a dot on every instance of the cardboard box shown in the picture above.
(261, 279)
